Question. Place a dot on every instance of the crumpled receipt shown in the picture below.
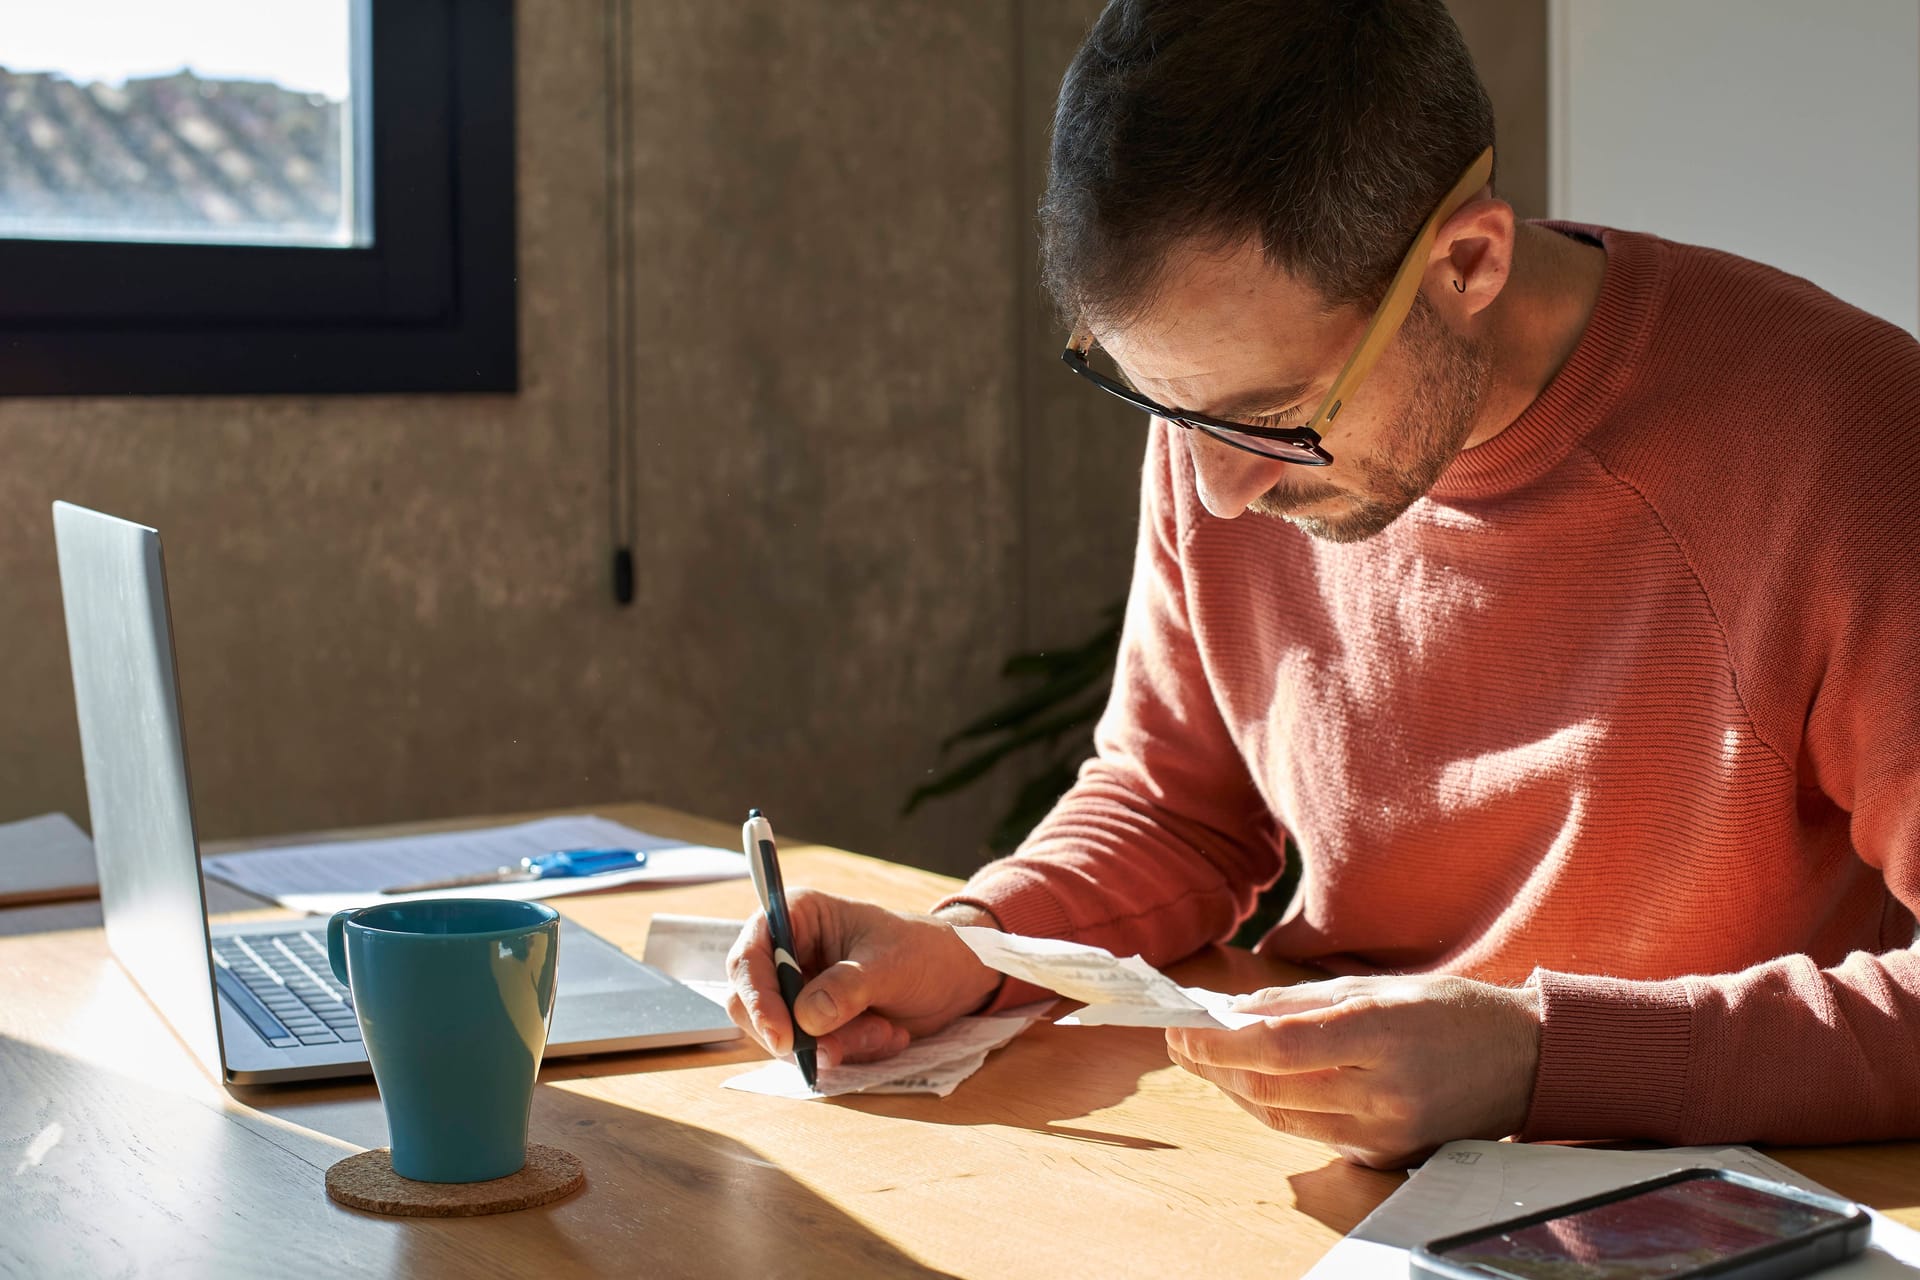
(693, 949)
(1118, 992)
(935, 1064)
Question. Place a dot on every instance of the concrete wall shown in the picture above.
(862, 477)
(1508, 39)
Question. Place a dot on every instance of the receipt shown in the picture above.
(935, 1064)
(693, 949)
(1118, 992)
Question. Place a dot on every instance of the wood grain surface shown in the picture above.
(1074, 1151)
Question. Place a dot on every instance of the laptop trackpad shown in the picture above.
(589, 965)
(607, 999)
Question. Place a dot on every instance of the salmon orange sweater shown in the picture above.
(1628, 706)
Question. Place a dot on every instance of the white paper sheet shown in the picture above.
(694, 950)
(45, 855)
(936, 1064)
(1120, 992)
(324, 878)
(1471, 1184)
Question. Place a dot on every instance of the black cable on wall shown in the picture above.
(622, 527)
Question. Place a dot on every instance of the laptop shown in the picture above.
(256, 1002)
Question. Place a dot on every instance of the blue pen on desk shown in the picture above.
(763, 863)
(560, 864)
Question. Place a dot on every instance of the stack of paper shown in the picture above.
(45, 859)
(694, 950)
(324, 878)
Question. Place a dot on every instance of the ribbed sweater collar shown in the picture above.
(1603, 362)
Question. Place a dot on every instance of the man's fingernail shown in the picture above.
(822, 1007)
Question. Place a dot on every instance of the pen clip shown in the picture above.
(750, 838)
(763, 864)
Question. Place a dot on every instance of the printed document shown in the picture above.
(324, 878)
(45, 858)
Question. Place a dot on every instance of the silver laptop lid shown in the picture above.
(126, 690)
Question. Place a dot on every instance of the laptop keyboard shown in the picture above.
(283, 985)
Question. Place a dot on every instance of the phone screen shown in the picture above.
(1668, 1231)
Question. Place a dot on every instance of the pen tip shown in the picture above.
(753, 813)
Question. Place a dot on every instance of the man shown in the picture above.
(1585, 678)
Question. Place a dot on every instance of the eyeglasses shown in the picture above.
(1301, 444)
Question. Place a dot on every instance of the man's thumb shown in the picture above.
(838, 994)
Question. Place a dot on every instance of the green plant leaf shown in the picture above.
(953, 779)
(1046, 662)
(1032, 718)
(1067, 681)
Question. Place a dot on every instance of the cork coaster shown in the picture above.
(367, 1181)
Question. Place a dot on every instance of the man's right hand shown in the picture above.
(879, 977)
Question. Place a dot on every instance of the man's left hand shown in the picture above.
(1383, 1069)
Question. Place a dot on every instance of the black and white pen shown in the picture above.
(763, 862)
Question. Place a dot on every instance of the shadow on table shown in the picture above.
(662, 1198)
(1034, 1085)
(109, 1174)
(1024, 1085)
(50, 917)
(1339, 1193)
(1051, 1074)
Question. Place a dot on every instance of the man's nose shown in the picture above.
(1229, 478)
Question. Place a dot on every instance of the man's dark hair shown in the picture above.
(1326, 129)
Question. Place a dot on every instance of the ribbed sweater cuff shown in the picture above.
(1613, 1058)
(1023, 904)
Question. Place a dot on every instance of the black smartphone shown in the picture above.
(1696, 1222)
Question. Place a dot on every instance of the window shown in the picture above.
(221, 196)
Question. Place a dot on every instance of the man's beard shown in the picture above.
(1451, 377)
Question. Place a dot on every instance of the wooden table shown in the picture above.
(1074, 1151)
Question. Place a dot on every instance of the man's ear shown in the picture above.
(1472, 257)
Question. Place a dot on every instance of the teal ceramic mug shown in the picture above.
(454, 997)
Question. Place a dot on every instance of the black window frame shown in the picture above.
(428, 306)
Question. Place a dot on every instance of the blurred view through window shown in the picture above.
(188, 121)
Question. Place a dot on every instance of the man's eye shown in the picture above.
(1282, 418)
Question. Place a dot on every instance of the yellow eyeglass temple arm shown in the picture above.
(1400, 294)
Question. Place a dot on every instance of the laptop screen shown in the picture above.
(125, 689)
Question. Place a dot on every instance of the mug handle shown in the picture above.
(337, 945)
